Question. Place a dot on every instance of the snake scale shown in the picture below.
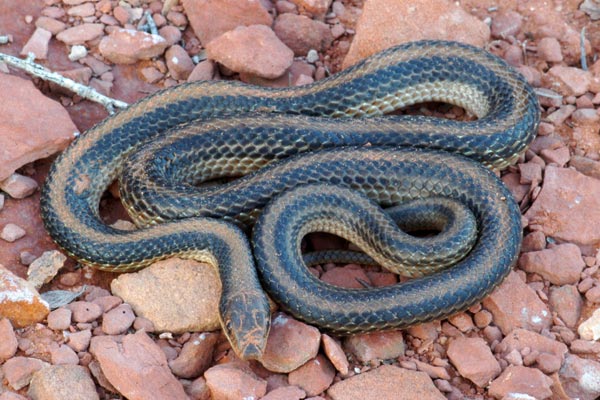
(308, 167)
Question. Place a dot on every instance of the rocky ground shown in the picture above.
(154, 334)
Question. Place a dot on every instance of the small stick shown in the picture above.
(150, 25)
(41, 72)
(582, 46)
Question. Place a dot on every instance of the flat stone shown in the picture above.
(19, 370)
(179, 62)
(521, 339)
(58, 382)
(118, 320)
(126, 46)
(561, 264)
(176, 295)
(386, 23)
(376, 345)
(52, 25)
(44, 268)
(85, 311)
(254, 50)
(9, 344)
(580, 378)
(566, 302)
(386, 382)
(195, 356)
(63, 355)
(335, 353)
(81, 33)
(137, 367)
(60, 319)
(565, 206)
(19, 301)
(229, 381)
(36, 127)
(290, 344)
(79, 341)
(568, 81)
(474, 360)
(314, 376)
(285, 393)
(37, 44)
(506, 24)
(314, 7)
(212, 18)
(590, 328)
(302, 34)
(515, 305)
(522, 380)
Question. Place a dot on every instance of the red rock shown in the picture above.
(284, 6)
(431, 370)
(12, 232)
(523, 380)
(62, 382)
(349, 276)
(125, 46)
(314, 377)
(585, 116)
(531, 173)
(566, 204)
(566, 302)
(136, 366)
(8, 344)
(11, 396)
(195, 356)
(335, 353)
(121, 15)
(179, 62)
(211, 18)
(560, 116)
(559, 156)
(19, 186)
(118, 320)
(521, 339)
(81, 33)
(593, 294)
(171, 34)
(50, 24)
(62, 355)
(376, 345)
(314, 7)
(254, 50)
(549, 49)
(178, 296)
(302, 34)
(36, 127)
(151, 74)
(474, 360)
(506, 24)
(44, 268)
(197, 389)
(285, 393)
(482, 318)
(534, 241)
(590, 328)
(19, 301)
(229, 381)
(18, 370)
(568, 81)
(290, 344)
(79, 341)
(82, 10)
(37, 44)
(85, 311)
(203, 71)
(515, 305)
(385, 23)
(386, 382)
(462, 321)
(143, 323)
(427, 332)
(561, 264)
(579, 378)
(59, 319)
(108, 303)
(548, 363)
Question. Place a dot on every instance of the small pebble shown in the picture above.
(12, 232)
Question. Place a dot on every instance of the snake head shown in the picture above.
(246, 320)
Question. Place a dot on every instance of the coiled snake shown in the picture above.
(205, 130)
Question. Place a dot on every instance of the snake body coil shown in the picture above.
(241, 128)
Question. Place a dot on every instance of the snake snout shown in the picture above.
(246, 323)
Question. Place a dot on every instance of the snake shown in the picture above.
(305, 159)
